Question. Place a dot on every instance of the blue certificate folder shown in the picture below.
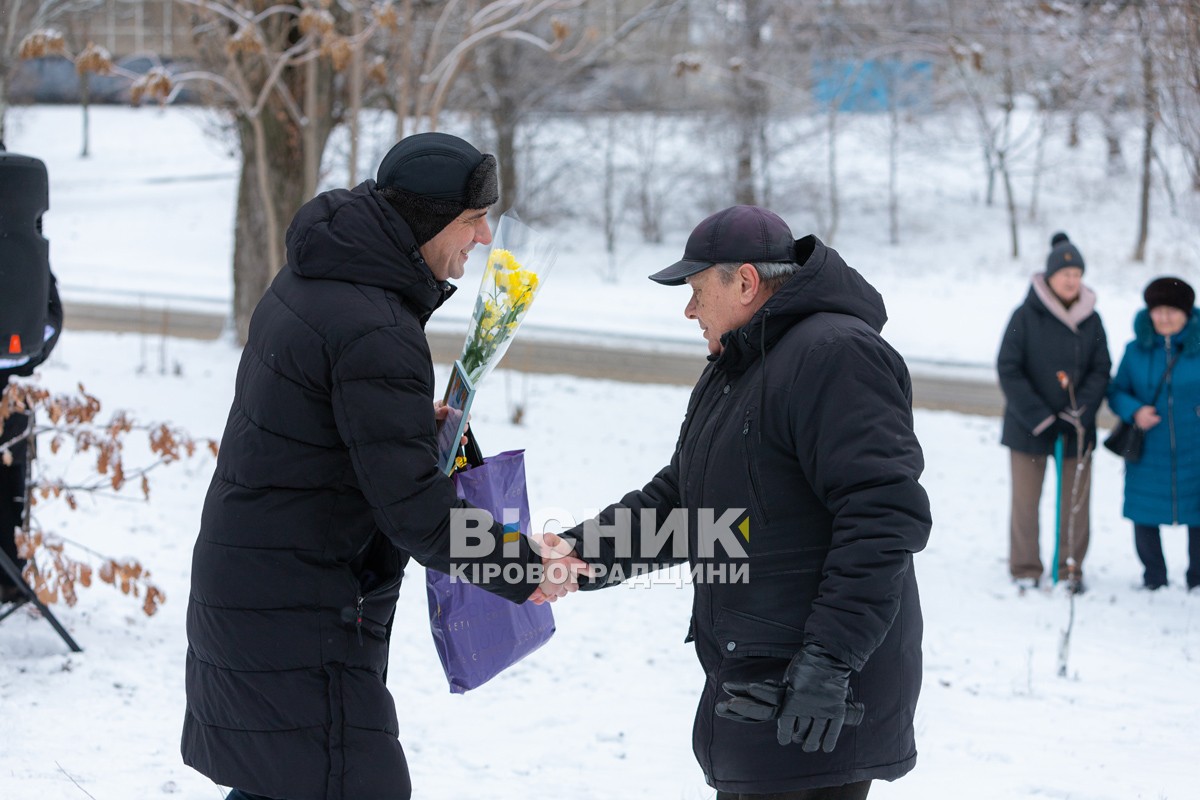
(459, 394)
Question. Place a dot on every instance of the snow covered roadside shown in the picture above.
(605, 708)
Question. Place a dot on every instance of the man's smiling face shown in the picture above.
(446, 253)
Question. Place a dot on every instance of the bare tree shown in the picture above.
(997, 66)
(20, 18)
(519, 73)
(1180, 81)
(275, 67)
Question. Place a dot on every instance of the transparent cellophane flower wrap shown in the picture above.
(517, 267)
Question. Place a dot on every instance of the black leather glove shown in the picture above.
(810, 706)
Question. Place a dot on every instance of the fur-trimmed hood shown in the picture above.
(1188, 338)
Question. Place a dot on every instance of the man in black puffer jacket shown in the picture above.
(327, 483)
(796, 459)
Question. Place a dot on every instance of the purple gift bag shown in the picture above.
(477, 634)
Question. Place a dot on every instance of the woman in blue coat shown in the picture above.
(1164, 486)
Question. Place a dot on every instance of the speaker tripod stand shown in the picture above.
(25, 594)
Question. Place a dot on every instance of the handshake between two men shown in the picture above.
(810, 705)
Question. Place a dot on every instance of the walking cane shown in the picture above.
(1058, 529)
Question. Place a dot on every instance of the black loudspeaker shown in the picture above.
(24, 256)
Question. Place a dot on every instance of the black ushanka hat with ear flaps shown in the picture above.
(431, 178)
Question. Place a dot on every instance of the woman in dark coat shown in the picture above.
(1056, 330)
(1163, 487)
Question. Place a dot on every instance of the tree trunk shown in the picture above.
(1073, 130)
(835, 206)
(990, 165)
(505, 117)
(3, 101)
(312, 110)
(254, 266)
(893, 166)
(1115, 159)
(750, 110)
(1011, 202)
(1039, 163)
(743, 179)
(506, 155)
(85, 105)
(356, 93)
(1150, 110)
(610, 204)
(749, 106)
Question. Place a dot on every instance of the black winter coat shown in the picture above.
(1042, 339)
(325, 485)
(803, 426)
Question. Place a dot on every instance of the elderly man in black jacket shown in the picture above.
(797, 470)
(327, 483)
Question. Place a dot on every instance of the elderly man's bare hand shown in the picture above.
(562, 568)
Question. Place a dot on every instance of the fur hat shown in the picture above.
(431, 178)
(1062, 254)
(1168, 291)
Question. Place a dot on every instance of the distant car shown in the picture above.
(43, 80)
(54, 80)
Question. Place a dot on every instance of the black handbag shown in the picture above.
(1127, 439)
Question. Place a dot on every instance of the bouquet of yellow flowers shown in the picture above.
(517, 266)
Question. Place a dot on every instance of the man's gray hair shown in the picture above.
(773, 274)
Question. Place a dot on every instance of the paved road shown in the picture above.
(963, 388)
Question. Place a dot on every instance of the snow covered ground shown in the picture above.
(614, 690)
(605, 708)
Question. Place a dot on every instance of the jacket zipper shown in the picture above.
(1171, 430)
(758, 508)
(361, 600)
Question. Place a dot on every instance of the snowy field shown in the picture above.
(148, 219)
(615, 689)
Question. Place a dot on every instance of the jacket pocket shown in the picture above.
(742, 635)
(758, 509)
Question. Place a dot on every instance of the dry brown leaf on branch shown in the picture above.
(155, 84)
(42, 43)
(339, 51)
(94, 59)
(51, 569)
(386, 15)
(316, 22)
